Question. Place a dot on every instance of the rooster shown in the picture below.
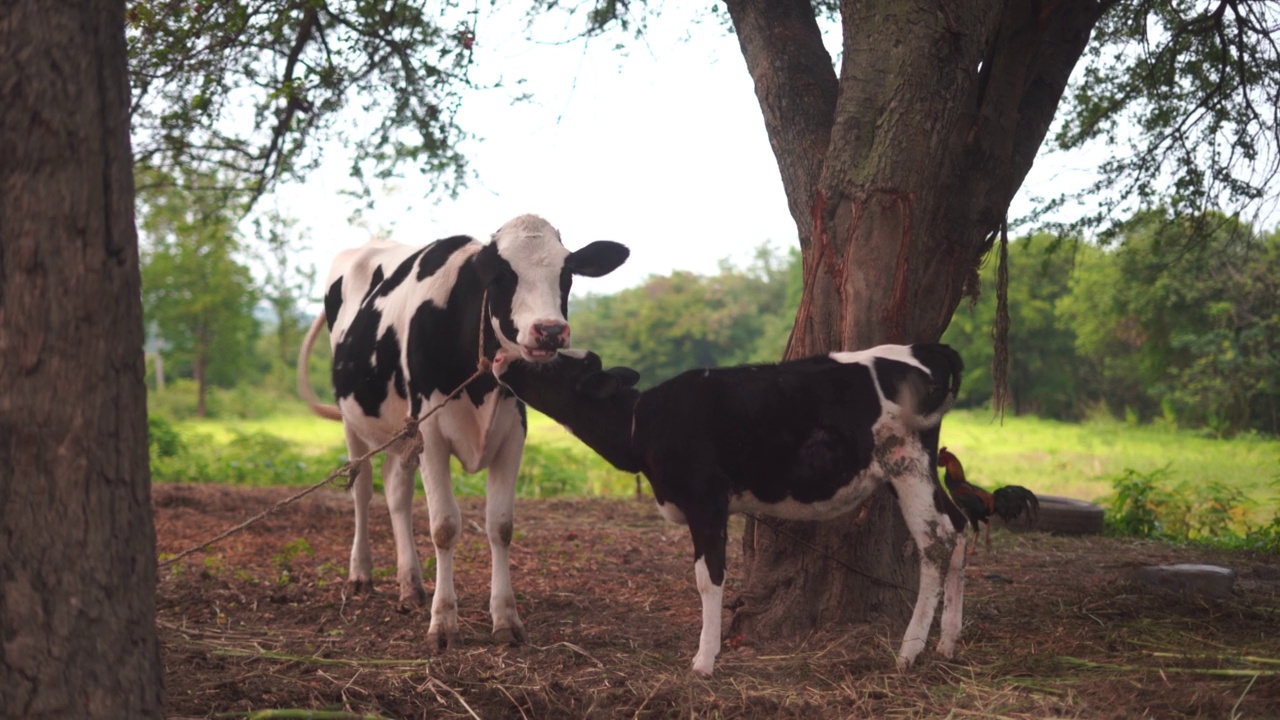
(979, 505)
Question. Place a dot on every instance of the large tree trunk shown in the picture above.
(77, 546)
(897, 175)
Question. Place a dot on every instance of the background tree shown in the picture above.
(285, 283)
(1044, 371)
(1177, 321)
(196, 291)
(680, 321)
(77, 554)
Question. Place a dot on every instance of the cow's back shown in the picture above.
(352, 273)
(375, 295)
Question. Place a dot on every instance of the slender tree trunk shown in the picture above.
(159, 369)
(199, 369)
(285, 327)
(77, 546)
(897, 175)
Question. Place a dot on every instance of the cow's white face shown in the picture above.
(529, 273)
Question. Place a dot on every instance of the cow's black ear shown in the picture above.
(599, 385)
(625, 375)
(488, 263)
(598, 258)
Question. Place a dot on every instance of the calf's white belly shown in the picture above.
(846, 500)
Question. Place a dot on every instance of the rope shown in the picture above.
(352, 467)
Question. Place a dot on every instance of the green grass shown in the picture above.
(1080, 460)
(555, 463)
(310, 433)
(1051, 458)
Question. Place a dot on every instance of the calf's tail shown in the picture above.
(324, 410)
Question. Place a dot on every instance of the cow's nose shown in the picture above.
(552, 334)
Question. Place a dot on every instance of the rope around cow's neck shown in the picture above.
(351, 468)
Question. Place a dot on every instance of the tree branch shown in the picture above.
(797, 88)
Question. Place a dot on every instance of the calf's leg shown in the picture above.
(709, 532)
(938, 542)
(953, 600)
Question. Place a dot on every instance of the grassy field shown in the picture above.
(1079, 460)
(1052, 458)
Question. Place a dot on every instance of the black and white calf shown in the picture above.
(404, 325)
(807, 440)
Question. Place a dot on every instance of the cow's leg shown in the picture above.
(500, 497)
(446, 524)
(360, 572)
(937, 540)
(397, 481)
(709, 537)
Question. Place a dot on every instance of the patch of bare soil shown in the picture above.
(262, 622)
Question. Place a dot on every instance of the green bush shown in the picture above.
(545, 473)
(176, 402)
(163, 439)
(1141, 506)
(1212, 513)
(248, 459)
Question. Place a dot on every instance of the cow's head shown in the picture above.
(528, 273)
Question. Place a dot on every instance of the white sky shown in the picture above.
(660, 146)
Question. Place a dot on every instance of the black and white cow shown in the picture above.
(404, 326)
(806, 440)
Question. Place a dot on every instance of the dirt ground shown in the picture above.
(261, 623)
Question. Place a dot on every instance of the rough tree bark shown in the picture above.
(897, 173)
(77, 545)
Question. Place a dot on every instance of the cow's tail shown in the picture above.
(307, 392)
(928, 396)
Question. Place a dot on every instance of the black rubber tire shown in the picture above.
(1063, 516)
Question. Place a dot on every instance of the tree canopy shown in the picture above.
(1180, 96)
(1185, 95)
(255, 90)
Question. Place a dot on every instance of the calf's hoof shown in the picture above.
(702, 667)
(513, 635)
(359, 586)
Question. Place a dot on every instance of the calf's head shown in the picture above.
(528, 273)
(565, 388)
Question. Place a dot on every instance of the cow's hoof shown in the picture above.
(413, 598)
(359, 587)
(440, 643)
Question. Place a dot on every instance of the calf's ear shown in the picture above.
(598, 385)
(598, 258)
(625, 375)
